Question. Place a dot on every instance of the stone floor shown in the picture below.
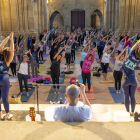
(102, 94)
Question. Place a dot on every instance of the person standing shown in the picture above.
(6, 57)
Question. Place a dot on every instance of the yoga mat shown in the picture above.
(41, 68)
(46, 55)
(42, 62)
(24, 97)
(109, 69)
(90, 96)
(137, 68)
(106, 81)
(81, 80)
(112, 60)
(96, 55)
(138, 89)
(55, 98)
(76, 61)
(13, 80)
(118, 98)
(97, 60)
(29, 86)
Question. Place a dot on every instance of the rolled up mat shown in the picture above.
(90, 95)
(29, 86)
(69, 72)
(81, 80)
(118, 98)
(42, 62)
(55, 98)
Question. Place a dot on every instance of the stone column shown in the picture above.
(20, 9)
(127, 11)
(113, 15)
(42, 13)
(14, 16)
(132, 17)
(107, 15)
(35, 16)
(30, 15)
(137, 24)
(1, 37)
(39, 16)
(110, 14)
(122, 17)
(116, 14)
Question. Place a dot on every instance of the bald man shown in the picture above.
(71, 112)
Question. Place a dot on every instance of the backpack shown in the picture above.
(73, 80)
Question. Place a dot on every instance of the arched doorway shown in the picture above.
(97, 19)
(78, 18)
(56, 20)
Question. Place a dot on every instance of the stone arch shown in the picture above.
(98, 17)
(56, 20)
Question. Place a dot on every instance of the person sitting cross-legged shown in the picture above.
(71, 111)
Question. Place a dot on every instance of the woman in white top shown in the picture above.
(105, 59)
(117, 69)
(23, 74)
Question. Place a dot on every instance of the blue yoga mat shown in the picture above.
(76, 61)
(24, 97)
(81, 80)
(42, 62)
(62, 89)
(118, 98)
(29, 86)
(46, 55)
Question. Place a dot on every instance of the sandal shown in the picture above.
(9, 117)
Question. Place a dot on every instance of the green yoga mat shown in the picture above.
(41, 68)
(56, 97)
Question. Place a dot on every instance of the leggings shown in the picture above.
(129, 85)
(73, 55)
(4, 91)
(86, 76)
(118, 78)
(104, 67)
(100, 53)
(13, 68)
(41, 55)
(55, 79)
(25, 79)
(119, 52)
(81, 64)
(68, 57)
(34, 66)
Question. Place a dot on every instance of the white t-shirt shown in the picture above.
(68, 113)
(23, 68)
(105, 58)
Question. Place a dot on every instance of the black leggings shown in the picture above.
(118, 78)
(68, 57)
(41, 55)
(55, 79)
(25, 79)
(86, 76)
(104, 67)
(100, 53)
(81, 64)
(13, 68)
(72, 55)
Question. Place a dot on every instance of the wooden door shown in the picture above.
(78, 19)
(93, 21)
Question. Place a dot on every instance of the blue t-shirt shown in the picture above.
(128, 67)
(102, 45)
(83, 55)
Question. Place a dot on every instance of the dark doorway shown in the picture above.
(78, 18)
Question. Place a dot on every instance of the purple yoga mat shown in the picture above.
(112, 60)
(96, 55)
(109, 69)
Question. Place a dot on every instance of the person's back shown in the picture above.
(71, 112)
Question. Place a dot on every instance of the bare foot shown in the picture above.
(27, 94)
(119, 92)
(131, 113)
(55, 92)
(58, 92)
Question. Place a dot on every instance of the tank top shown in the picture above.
(3, 67)
(118, 65)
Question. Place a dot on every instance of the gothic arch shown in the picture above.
(100, 15)
(56, 19)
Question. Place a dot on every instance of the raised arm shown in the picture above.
(59, 52)
(137, 44)
(11, 49)
(91, 52)
(134, 38)
(4, 42)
